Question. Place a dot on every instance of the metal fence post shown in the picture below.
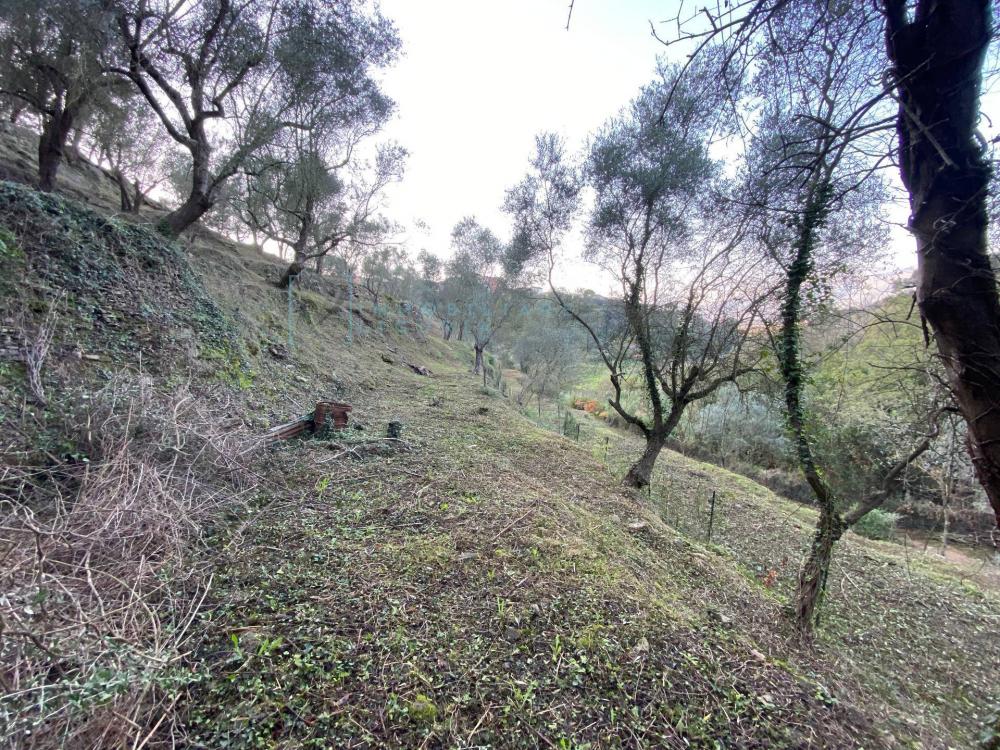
(711, 515)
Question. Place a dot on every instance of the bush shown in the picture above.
(877, 524)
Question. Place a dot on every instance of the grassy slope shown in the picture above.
(477, 569)
(482, 588)
(493, 586)
(911, 636)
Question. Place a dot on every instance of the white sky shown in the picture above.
(479, 79)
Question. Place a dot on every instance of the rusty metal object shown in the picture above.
(327, 415)
(290, 429)
(330, 414)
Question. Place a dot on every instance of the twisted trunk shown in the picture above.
(816, 566)
(201, 198)
(300, 256)
(816, 569)
(639, 474)
(641, 471)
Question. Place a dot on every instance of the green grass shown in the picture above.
(912, 634)
(456, 594)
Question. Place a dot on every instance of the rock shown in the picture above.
(640, 649)
(387, 359)
(717, 617)
(419, 369)
(637, 526)
(278, 351)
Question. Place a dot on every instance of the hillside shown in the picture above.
(172, 581)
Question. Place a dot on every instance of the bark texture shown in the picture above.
(52, 147)
(188, 213)
(639, 474)
(938, 54)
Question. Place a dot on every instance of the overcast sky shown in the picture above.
(479, 79)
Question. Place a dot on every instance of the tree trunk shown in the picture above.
(124, 192)
(137, 197)
(815, 569)
(461, 329)
(52, 148)
(812, 576)
(201, 198)
(292, 271)
(196, 206)
(639, 473)
(74, 153)
(938, 59)
(479, 357)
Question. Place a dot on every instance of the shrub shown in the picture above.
(877, 524)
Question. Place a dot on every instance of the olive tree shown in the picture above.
(303, 197)
(810, 168)
(484, 294)
(932, 55)
(222, 76)
(55, 65)
(386, 271)
(548, 352)
(690, 298)
(124, 137)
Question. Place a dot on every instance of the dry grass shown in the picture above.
(100, 583)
